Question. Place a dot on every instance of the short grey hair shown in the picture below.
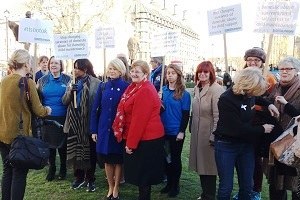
(158, 60)
(119, 65)
(289, 60)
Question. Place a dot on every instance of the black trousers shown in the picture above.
(145, 192)
(13, 178)
(62, 156)
(174, 168)
(280, 194)
(208, 185)
(89, 174)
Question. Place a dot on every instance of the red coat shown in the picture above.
(142, 116)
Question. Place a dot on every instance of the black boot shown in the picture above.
(144, 193)
(62, 173)
(51, 173)
(174, 191)
(166, 189)
(63, 166)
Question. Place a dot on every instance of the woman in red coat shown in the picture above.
(138, 123)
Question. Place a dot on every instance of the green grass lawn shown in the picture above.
(39, 189)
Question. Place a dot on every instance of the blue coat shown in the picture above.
(107, 98)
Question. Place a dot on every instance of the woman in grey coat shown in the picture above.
(205, 116)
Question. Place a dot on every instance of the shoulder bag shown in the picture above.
(286, 147)
(28, 152)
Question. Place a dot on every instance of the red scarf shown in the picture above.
(119, 122)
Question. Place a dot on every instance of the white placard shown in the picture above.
(71, 46)
(225, 20)
(165, 42)
(277, 17)
(35, 31)
(105, 37)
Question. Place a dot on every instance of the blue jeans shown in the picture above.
(234, 154)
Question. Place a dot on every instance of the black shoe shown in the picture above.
(91, 187)
(174, 191)
(62, 175)
(108, 197)
(166, 189)
(115, 198)
(51, 174)
(77, 184)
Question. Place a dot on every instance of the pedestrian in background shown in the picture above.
(44, 69)
(205, 115)
(81, 149)
(51, 88)
(155, 76)
(138, 123)
(106, 102)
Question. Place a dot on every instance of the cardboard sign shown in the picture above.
(35, 31)
(165, 42)
(225, 20)
(71, 46)
(277, 17)
(105, 37)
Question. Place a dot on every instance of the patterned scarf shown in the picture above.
(292, 86)
(119, 122)
(78, 146)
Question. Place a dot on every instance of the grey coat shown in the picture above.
(205, 115)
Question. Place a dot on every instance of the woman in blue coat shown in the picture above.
(106, 102)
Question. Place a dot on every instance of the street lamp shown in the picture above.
(164, 8)
(183, 15)
(175, 9)
(6, 14)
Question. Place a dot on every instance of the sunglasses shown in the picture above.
(203, 71)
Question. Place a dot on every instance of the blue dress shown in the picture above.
(107, 98)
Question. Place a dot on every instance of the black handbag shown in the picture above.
(28, 152)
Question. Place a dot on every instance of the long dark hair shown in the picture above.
(85, 65)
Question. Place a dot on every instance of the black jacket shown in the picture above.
(236, 114)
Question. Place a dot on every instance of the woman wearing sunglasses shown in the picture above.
(204, 120)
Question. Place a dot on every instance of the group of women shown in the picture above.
(121, 123)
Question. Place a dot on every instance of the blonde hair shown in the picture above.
(19, 59)
(250, 81)
(119, 65)
(144, 66)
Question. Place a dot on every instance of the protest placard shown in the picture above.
(71, 46)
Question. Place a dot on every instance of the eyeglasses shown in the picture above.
(204, 71)
(285, 69)
(253, 60)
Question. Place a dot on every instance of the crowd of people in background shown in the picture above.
(134, 125)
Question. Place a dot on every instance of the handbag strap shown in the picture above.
(24, 89)
(297, 120)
